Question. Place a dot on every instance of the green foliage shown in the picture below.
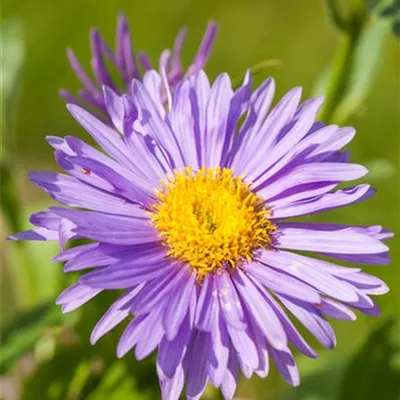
(22, 334)
(348, 79)
(52, 380)
(374, 372)
(118, 383)
(11, 60)
(364, 65)
(11, 57)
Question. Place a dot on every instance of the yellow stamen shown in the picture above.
(211, 219)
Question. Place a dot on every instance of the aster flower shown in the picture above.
(130, 65)
(186, 211)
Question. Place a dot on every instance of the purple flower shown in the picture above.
(187, 206)
(130, 66)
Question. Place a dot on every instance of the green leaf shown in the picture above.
(11, 59)
(335, 14)
(347, 81)
(10, 202)
(52, 379)
(121, 383)
(396, 27)
(12, 55)
(367, 55)
(391, 10)
(24, 332)
(374, 372)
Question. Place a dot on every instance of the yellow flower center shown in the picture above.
(210, 219)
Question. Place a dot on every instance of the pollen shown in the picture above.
(210, 219)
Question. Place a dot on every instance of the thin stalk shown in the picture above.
(342, 66)
(335, 15)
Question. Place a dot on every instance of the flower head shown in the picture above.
(130, 65)
(186, 210)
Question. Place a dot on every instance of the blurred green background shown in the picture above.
(46, 355)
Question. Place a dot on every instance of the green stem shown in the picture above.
(10, 203)
(335, 14)
(342, 66)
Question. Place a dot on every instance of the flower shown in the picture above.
(186, 210)
(129, 65)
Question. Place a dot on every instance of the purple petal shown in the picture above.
(139, 328)
(46, 219)
(197, 374)
(310, 273)
(72, 192)
(259, 104)
(244, 345)
(148, 342)
(296, 131)
(219, 348)
(114, 277)
(347, 240)
(102, 134)
(313, 320)
(327, 146)
(217, 116)
(324, 202)
(69, 254)
(237, 107)
(366, 281)
(297, 153)
(65, 231)
(260, 310)
(160, 289)
(59, 143)
(228, 386)
(80, 73)
(292, 333)
(172, 352)
(206, 303)
(205, 49)
(135, 191)
(102, 254)
(82, 149)
(132, 334)
(109, 228)
(183, 119)
(336, 310)
(124, 53)
(153, 124)
(75, 296)
(97, 62)
(34, 234)
(114, 106)
(178, 306)
(283, 283)
(151, 160)
(171, 389)
(153, 83)
(68, 97)
(113, 316)
(266, 135)
(310, 174)
(286, 365)
(229, 301)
